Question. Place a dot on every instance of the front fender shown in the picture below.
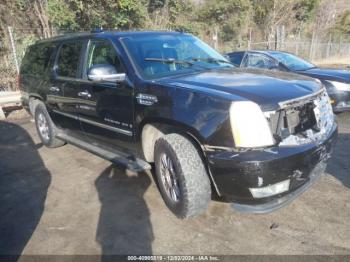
(202, 115)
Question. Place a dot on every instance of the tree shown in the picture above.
(231, 17)
(88, 14)
(342, 26)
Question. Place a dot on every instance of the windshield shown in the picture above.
(169, 54)
(291, 61)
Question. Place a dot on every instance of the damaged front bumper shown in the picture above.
(235, 173)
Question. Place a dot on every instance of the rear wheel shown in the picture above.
(46, 129)
(182, 177)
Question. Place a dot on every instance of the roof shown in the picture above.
(259, 51)
(104, 33)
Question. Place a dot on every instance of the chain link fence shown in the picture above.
(308, 50)
(14, 41)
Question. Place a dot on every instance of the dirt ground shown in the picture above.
(68, 201)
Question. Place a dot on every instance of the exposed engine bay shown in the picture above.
(302, 121)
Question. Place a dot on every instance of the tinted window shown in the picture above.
(36, 59)
(236, 58)
(103, 53)
(68, 59)
(258, 61)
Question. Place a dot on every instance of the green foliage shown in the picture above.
(22, 43)
(61, 15)
(230, 16)
(154, 5)
(111, 14)
(261, 10)
(233, 19)
(305, 9)
(342, 26)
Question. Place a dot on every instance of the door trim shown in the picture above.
(83, 119)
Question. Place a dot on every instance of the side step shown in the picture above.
(116, 157)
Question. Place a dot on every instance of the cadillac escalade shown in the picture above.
(169, 102)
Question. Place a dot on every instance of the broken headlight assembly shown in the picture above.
(250, 128)
(302, 121)
(298, 121)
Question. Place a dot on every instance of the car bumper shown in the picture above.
(234, 173)
(340, 101)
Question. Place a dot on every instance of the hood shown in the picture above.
(264, 87)
(328, 74)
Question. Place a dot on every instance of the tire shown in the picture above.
(45, 127)
(190, 190)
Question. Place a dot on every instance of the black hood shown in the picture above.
(264, 87)
(328, 74)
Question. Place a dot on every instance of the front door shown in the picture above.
(107, 114)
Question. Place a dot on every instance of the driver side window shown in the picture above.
(103, 53)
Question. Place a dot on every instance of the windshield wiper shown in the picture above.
(174, 61)
(212, 60)
(169, 61)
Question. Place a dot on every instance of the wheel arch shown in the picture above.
(151, 130)
(33, 101)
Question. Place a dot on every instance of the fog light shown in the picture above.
(271, 190)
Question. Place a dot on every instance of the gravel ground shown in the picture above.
(68, 201)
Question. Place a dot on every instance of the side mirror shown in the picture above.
(104, 72)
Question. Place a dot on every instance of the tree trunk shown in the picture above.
(40, 8)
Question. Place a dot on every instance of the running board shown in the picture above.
(116, 157)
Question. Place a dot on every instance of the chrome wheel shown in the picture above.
(168, 177)
(43, 127)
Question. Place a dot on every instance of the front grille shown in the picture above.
(302, 121)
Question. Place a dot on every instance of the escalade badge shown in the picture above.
(145, 99)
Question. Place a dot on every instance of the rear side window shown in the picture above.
(69, 59)
(236, 58)
(258, 61)
(36, 59)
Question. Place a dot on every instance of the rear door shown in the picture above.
(106, 114)
(66, 85)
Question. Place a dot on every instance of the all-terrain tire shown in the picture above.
(48, 138)
(190, 172)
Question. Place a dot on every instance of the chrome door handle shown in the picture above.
(84, 94)
(54, 89)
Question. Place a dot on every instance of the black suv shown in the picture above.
(256, 139)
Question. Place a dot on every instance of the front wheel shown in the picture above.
(183, 181)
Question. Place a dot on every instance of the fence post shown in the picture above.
(9, 28)
(215, 38)
(329, 45)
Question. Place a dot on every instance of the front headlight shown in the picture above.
(340, 86)
(249, 125)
